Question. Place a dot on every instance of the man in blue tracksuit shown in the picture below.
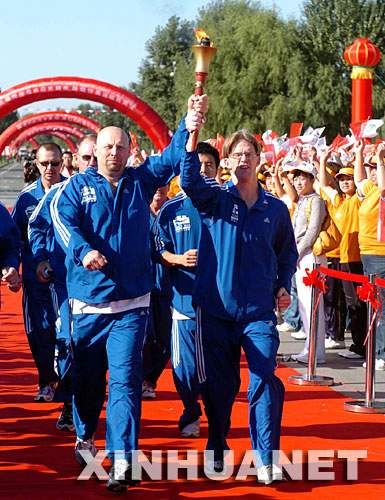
(102, 220)
(177, 235)
(39, 317)
(9, 250)
(157, 346)
(247, 257)
(49, 262)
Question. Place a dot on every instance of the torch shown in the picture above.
(203, 52)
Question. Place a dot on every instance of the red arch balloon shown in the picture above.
(33, 143)
(47, 128)
(13, 131)
(93, 90)
(69, 143)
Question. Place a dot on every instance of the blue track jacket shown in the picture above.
(178, 229)
(245, 255)
(87, 216)
(25, 204)
(41, 236)
(9, 240)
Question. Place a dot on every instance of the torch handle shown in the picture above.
(199, 82)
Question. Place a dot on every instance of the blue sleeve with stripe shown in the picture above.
(65, 213)
(38, 229)
(157, 171)
(9, 240)
(203, 191)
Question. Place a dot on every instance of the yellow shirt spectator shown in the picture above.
(344, 210)
(368, 220)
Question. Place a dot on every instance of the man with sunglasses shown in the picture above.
(50, 267)
(39, 317)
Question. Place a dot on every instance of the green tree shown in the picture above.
(8, 120)
(319, 82)
(247, 83)
(170, 46)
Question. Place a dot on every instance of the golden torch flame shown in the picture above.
(202, 36)
(203, 52)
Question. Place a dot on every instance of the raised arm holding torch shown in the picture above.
(203, 52)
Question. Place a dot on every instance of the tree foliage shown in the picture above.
(268, 71)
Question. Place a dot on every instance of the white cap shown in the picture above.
(306, 167)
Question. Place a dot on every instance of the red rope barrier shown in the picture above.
(356, 278)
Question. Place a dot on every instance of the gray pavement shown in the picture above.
(348, 374)
(11, 183)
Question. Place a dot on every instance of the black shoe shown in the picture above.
(120, 478)
(65, 421)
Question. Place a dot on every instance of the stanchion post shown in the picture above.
(311, 378)
(370, 393)
(313, 329)
(369, 405)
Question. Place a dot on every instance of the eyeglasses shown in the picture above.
(238, 156)
(53, 164)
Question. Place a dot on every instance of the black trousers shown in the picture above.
(356, 308)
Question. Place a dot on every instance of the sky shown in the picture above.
(101, 39)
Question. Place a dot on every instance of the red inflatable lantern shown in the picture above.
(363, 55)
(19, 126)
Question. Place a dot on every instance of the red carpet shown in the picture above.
(36, 460)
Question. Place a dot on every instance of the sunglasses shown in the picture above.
(53, 164)
(88, 157)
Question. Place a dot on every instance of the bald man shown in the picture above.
(102, 219)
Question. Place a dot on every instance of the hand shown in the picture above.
(199, 103)
(283, 299)
(44, 272)
(12, 278)
(380, 153)
(94, 261)
(326, 155)
(189, 258)
(197, 107)
(194, 120)
(358, 148)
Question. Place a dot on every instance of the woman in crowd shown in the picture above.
(307, 221)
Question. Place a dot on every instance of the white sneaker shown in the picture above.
(380, 365)
(303, 358)
(191, 430)
(84, 445)
(300, 335)
(285, 327)
(350, 355)
(148, 391)
(269, 473)
(334, 344)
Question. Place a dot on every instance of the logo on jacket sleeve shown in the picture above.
(88, 194)
(182, 223)
(235, 213)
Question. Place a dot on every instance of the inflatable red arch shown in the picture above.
(33, 142)
(69, 143)
(93, 90)
(46, 129)
(13, 131)
(63, 137)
